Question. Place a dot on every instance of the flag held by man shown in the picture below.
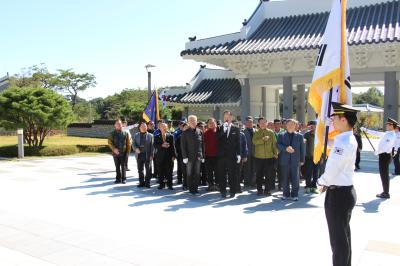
(332, 71)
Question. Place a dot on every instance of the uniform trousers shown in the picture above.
(339, 204)
(384, 161)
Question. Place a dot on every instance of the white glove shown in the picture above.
(363, 129)
(238, 159)
(185, 160)
(202, 160)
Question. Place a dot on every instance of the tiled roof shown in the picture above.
(211, 91)
(377, 23)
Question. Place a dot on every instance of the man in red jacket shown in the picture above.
(210, 147)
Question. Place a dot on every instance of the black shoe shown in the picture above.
(160, 187)
(383, 195)
(127, 169)
(267, 193)
(260, 193)
(184, 188)
(117, 182)
(239, 191)
(223, 195)
(141, 185)
(147, 185)
(170, 188)
(232, 195)
(124, 182)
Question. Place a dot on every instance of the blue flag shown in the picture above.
(151, 112)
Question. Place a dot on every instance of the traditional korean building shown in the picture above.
(276, 50)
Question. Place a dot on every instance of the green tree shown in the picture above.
(36, 110)
(35, 76)
(85, 112)
(372, 96)
(72, 83)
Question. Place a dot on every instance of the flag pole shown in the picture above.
(324, 157)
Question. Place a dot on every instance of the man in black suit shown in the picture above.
(192, 153)
(228, 154)
(164, 144)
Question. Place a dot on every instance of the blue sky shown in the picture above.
(113, 39)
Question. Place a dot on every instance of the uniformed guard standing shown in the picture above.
(337, 181)
(385, 152)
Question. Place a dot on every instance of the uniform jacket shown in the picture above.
(148, 146)
(295, 158)
(249, 140)
(192, 144)
(228, 146)
(113, 138)
(265, 149)
(164, 154)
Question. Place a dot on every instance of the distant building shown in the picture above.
(208, 94)
(277, 47)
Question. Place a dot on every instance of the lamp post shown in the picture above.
(90, 109)
(149, 79)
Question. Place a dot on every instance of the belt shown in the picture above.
(339, 187)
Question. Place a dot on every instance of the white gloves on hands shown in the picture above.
(202, 160)
(185, 160)
(238, 159)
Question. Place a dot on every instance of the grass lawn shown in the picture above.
(57, 140)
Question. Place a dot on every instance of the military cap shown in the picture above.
(347, 111)
(392, 121)
(342, 109)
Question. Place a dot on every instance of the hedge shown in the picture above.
(12, 150)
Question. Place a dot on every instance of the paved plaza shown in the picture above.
(68, 211)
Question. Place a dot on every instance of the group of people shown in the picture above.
(264, 155)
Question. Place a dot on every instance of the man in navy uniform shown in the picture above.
(337, 181)
(385, 152)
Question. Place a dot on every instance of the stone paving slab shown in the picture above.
(67, 211)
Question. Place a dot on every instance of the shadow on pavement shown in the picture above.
(371, 206)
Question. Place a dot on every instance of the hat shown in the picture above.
(312, 123)
(346, 110)
(392, 121)
(341, 109)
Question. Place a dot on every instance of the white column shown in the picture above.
(391, 97)
(278, 110)
(287, 97)
(300, 103)
(245, 99)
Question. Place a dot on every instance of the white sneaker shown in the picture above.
(284, 198)
(295, 198)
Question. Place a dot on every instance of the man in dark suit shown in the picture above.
(144, 150)
(228, 154)
(292, 154)
(192, 153)
(164, 144)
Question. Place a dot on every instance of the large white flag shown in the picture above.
(332, 71)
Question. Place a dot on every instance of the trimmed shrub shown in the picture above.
(60, 150)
